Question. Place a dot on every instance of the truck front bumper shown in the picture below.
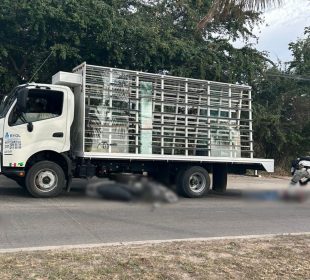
(12, 172)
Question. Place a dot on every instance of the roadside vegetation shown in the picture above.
(286, 257)
(186, 38)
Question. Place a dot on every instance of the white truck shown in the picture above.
(99, 121)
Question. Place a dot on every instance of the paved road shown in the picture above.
(76, 219)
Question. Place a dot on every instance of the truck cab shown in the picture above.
(35, 121)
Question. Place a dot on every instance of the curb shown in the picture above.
(146, 242)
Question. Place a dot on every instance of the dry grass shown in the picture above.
(286, 257)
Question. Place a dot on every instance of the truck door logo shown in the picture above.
(11, 142)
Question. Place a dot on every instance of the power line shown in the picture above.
(40, 67)
(289, 76)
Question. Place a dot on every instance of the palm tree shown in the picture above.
(223, 7)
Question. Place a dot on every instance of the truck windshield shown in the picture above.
(8, 101)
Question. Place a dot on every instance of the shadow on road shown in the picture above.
(286, 195)
(8, 188)
(15, 191)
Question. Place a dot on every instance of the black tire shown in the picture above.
(219, 177)
(112, 192)
(45, 179)
(193, 182)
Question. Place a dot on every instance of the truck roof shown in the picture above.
(139, 73)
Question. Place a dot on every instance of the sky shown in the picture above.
(283, 25)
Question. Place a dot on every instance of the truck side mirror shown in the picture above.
(30, 127)
(22, 100)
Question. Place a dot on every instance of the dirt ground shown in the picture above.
(282, 257)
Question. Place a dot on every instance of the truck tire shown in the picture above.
(45, 179)
(193, 182)
(219, 177)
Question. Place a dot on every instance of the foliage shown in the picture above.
(30, 30)
(301, 52)
(226, 8)
(151, 36)
(160, 36)
(281, 108)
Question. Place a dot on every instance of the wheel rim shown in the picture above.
(46, 180)
(197, 182)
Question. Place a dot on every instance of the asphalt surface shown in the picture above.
(73, 218)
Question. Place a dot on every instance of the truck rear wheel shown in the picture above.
(45, 179)
(193, 182)
(219, 177)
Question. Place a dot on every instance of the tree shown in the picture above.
(151, 36)
(161, 36)
(301, 53)
(281, 108)
(31, 30)
(222, 9)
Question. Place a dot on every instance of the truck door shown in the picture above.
(42, 127)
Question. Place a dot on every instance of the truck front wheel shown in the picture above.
(193, 182)
(45, 179)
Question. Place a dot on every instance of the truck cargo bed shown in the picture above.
(129, 113)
